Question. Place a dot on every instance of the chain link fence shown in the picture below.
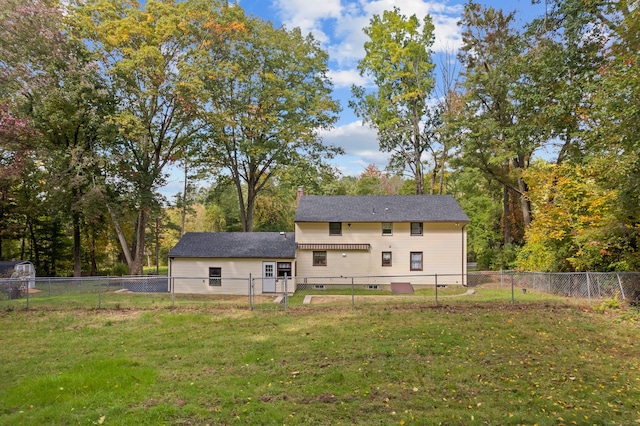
(587, 285)
(251, 292)
(81, 291)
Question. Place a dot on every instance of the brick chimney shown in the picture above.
(299, 195)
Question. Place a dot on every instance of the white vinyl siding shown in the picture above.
(443, 248)
(191, 275)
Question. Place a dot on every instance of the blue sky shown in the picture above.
(337, 25)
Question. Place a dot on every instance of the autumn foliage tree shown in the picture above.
(398, 60)
(267, 99)
(146, 53)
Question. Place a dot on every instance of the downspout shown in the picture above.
(463, 246)
(169, 274)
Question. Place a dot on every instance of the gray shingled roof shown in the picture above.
(266, 245)
(379, 208)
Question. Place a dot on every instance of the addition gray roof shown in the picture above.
(265, 245)
(379, 208)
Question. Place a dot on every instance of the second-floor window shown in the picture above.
(335, 228)
(387, 228)
(416, 228)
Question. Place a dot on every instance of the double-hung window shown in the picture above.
(335, 228)
(387, 228)
(284, 268)
(319, 258)
(416, 228)
(386, 258)
(215, 276)
(416, 261)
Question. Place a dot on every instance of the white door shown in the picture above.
(268, 277)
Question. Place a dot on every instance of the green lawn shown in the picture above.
(474, 361)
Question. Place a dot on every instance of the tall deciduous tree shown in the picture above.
(54, 81)
(500, 135)
(147, 52)
(398, 59)
(268, 99)
(587, 209)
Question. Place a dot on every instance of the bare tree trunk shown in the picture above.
(419, 175)
(506, 215)
(184, 197)
(432, 183)
(443, 162)
(243, 212)
(250, 208)
(126, 251)
(77, 255)
(524, 201)
(136, 267)
(92, 255)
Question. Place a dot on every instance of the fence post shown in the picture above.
(27, 295)
(286, 293)
(99, 295)
(250, 292)
(621, 289)
(513, 296)
(436, 289)
(49, 286)
(588, 288)
(173, 291)
(353, 294)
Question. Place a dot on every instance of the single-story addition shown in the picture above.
(401, 238)
(223, 262)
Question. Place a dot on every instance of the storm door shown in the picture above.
(268, 277)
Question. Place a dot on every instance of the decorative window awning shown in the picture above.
(362, 247)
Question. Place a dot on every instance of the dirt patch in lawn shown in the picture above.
(316, 300)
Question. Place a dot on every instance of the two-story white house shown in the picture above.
(403, 237)
(378, 239)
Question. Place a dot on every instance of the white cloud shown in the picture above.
(339, 26)
(308, 16)
(360, 145)
(347, 78)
